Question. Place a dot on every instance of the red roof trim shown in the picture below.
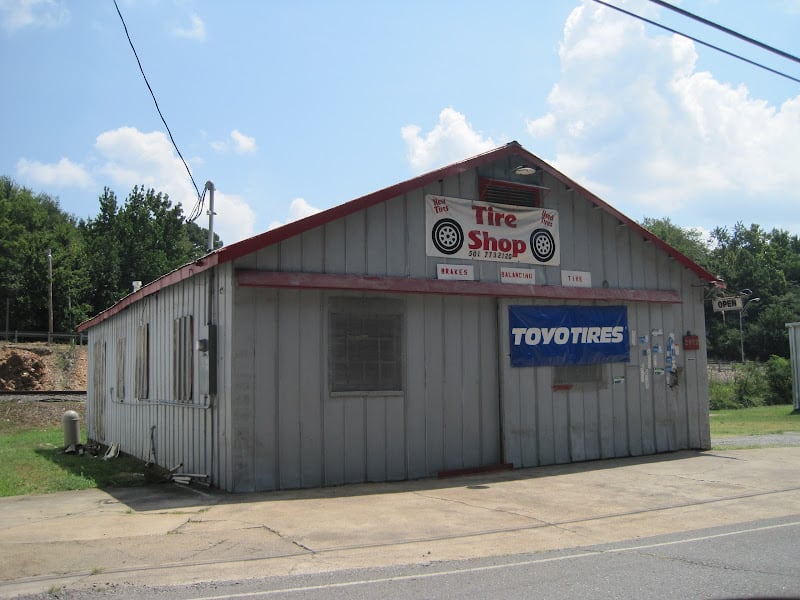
(167, 280)
(407, 285)
(274, 236)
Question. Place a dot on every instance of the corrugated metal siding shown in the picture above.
(292, 433)
(158, 426)
(794, 350)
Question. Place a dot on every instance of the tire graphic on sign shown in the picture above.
(543, 245)
(448, 237)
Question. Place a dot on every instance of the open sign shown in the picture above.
(725, 303)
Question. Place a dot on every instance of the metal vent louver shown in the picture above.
(504, 192)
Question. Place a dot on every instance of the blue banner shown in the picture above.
(568, 335)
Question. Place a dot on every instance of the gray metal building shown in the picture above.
(476, 315)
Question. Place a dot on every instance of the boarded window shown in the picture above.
(580, 376)
(182, 358)
(98, 397)
(365, 345)
(121, 368)
(142, 383)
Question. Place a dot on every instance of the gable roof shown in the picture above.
(295, 228)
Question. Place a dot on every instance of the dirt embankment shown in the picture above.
(42, 367)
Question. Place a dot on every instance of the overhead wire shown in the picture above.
(198, 207)
(715, 25)
(697, 40)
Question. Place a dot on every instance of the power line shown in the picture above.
(750, 40)
(699, 41)
(198, 207)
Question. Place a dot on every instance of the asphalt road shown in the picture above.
(757, 559)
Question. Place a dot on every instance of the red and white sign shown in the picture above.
(459, 228)
(576, 279)
(455, 272)
(515, 275)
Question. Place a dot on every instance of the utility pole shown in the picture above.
(211, 213)
(50, 294)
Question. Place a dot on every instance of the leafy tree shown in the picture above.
(688, 242)
(32, 226)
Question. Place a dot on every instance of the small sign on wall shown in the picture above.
(512, 275)
(455, 272)
(576, 279)
(691, 342)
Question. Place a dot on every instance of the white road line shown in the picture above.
(538, 561)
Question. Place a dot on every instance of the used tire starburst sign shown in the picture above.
(473, 230)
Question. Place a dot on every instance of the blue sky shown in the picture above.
(293, 107)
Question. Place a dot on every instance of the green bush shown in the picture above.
(779, 380)
(721, 396)
(750, 385)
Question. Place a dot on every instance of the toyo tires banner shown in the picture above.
(475, 230)
(568, 335)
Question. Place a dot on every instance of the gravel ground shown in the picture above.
(790, 438)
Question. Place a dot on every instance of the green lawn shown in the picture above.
(760, 420)
(33, 462)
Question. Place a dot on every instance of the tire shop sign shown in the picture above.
(568, 335)
(475, 230)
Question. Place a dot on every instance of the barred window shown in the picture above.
(121, 368)
(182, 358)
(142, 383)
(580, 375)
(365, 345)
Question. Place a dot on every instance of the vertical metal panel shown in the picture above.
(794, 353)
(334, 440)
(376, 240)
(453, 386)
(354, 442)
(289, 362)
(355, 243)
(488, 370)
(434, 386)
(395, 438)
(242, 423)
(396, 246)
(416, 356)
(375, 439)
(312, 383)
(263, 313)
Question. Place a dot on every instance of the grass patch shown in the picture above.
(758, 420)
(34, 463)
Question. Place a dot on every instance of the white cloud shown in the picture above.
(234, 219)
(452, 139)
(195, 31)
(631, 111)
(298, 209)
(64, 173)
(130, 157)
(243, 144)
(18, 14)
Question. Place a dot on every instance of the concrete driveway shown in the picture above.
(169, 534)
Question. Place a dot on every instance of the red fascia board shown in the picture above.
(167, 280)
(645, 233)
(295, 228)
(407, 285)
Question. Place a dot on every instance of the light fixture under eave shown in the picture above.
(524, 170)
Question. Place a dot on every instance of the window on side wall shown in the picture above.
(580, 376)
(182, 358)
(365, 346)
(142, 382)
(121, 368)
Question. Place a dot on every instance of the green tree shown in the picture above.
(32, 226)
(688, 242)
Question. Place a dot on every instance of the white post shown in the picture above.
(211, 213)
